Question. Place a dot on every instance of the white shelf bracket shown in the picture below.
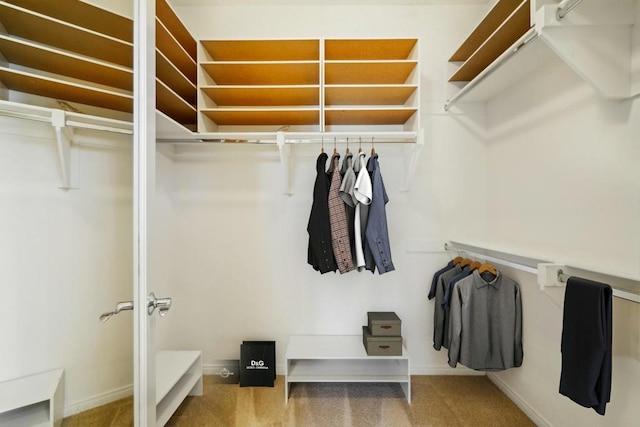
(411, 161)
(285, 161)
(68, 152)
(596, 40)
(549, 275)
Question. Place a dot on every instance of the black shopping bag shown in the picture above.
(257, 363)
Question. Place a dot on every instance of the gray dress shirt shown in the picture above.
(439, 310)
(377, 234)
(486, 323)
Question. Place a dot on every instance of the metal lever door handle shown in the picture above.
(121, 306)
(162, 304)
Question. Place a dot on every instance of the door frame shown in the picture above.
(144, 151)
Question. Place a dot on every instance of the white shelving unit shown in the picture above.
(342, 358)
(36, 400)
(515, 38)
(178, 375)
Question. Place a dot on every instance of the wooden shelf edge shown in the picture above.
(512, 29)
(487, 26)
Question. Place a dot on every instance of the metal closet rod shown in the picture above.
(563, 10)
(562, 277)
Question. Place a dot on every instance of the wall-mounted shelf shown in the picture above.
(365, 82)
(579, 39)
(43, 29)
(76, 52)
(59, 89)
(41, 57)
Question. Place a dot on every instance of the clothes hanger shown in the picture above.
(457, 260)
(360, 146)
(465, 262)
(373, 150)
(474, 265)
(335, 150)
(487, 267)
(322, 149)
(347, 145)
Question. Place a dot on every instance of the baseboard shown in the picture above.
(98, 400)
(535, 416)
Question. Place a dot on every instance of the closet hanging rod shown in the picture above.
(295, 137)
(524, 41)
(500, 261)
(563, 10)
(561, 276)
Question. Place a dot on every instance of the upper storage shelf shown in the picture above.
(246, 84)
(71, 51)
(516, 37)
(372, 83)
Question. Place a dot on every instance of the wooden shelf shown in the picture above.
(368, 49)
(53, 32)
(58, 89)
(170, 48)
(173, 105)
(516, 25)
(83, 15)
(367, 94)
(173, 78)
(32, 55)
(263, 95)
(368, 72)
(259, 117)
(262, 50)
(496, 16)
(264, 73)
(168, 17)
(368, 116)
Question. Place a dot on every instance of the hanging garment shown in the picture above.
(320, 251)
(377, 234)
(338, 220)
(586, 344)
(346, 192)
(448, 286)
(486, 323)
(363, 193)
(434, 280)
(438, 311)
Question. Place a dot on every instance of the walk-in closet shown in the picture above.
(182, 177)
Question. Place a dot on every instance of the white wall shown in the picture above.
(240, 244)
(564, 182)
(66, 258)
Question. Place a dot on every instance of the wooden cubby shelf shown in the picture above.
(263, 117)
(53, 32)
(40, 57)
(368, 72)
(83, 15)
(348, 83)
(58, 89)
(490, 23)
(368, 94)
(173, 78)
(263, 73)
(174, 52)
(170, 20)
(174, 106)
(514, 27)
(225, 96)
(371, 116)
(262, 50)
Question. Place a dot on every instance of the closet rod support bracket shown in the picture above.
(68, 152)
(549, 275)
(411, 161)
(285, 162)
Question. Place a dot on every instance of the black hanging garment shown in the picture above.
(320, 252)
(586, 344)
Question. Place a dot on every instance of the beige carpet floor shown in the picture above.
(436, 401)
